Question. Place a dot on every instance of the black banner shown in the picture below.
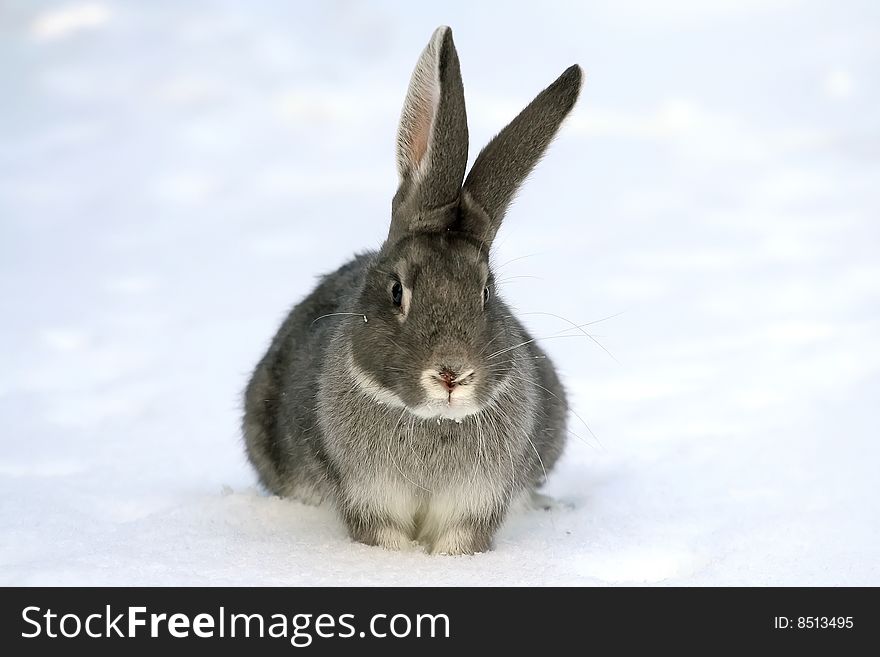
(320, 620)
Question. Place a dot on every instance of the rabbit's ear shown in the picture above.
(432, 140)
(505, 162)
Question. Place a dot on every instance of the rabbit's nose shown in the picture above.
(447, 378)
(450, 378)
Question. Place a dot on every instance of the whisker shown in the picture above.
(581, 438)
(332, 314)
(540, 460)
(566, 404)
(604, 319)
(391, 454)
(530, 255)
(497, 335)
(405, 350)
(522, 344)
(479, 460)
(497, 366)
(542, 338)
(412, 440)
(516, 346)
(510, 278)
(580, 328)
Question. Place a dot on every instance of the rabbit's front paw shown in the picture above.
(392, 538)
(388, 536)
(461, 540)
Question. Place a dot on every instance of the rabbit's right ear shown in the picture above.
(432, 140)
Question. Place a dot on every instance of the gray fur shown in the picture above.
(347, 410)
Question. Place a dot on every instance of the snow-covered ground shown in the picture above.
(174, 175)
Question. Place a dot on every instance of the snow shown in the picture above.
(174, 175)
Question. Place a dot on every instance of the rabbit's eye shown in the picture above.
(397, 293)
(485, 295)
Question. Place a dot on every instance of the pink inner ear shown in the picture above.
(421, 131)
(420, 107)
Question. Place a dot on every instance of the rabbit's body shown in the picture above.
(318, 428)
(402, 389)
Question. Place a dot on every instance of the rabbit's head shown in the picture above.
(436, 332)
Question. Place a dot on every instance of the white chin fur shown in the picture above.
(442, 409)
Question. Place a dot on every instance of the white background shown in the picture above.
(173, 176)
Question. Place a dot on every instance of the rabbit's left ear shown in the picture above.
(432, 140)
(502, 166)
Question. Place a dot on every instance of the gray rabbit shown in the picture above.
(402, 389)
